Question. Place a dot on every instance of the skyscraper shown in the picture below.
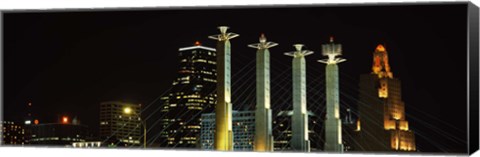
(243, 129)
(118, 128)
(300, 140)
(223, 108)
(193, 93)
(333, 124)
(263, 112)
(382, 123)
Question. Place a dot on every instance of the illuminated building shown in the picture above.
(263, 112)
(58, 134)
(243, 130)
(300, 140)
(382, 123)
(118, 128)
(283, 131)
(333, 124)
(223, 108)
(193, 93)
(12, 133)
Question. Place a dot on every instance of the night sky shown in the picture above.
(67, 62)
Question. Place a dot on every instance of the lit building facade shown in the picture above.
(193, 93)
(12, 133)
(117, 128)
(57, 134)
(243, 130)
(382, 125)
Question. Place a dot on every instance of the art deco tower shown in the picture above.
(333, 124)
(299, 140)
(223, 108)
(263, 113)
(382, 123)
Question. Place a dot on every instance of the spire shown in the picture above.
(380, 65)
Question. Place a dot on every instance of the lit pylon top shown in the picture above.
(299, 52)
(263, 44)
(332, 50)
(223, 34)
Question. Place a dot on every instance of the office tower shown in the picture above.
(63, 133)
(300, 141)
(120, 124)
(263, 112)
(11, 133)
(333, 124)
(223, 108)
(243, 129)
(382, 123)
(282, 131)
(193, 93)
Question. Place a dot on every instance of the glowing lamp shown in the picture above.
(127, 110)
(65, 120)
(197, 43)
(36, 121)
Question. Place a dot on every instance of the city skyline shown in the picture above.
(73, 71)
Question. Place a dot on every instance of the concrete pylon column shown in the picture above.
(333, 124)
(223, 109)
(263, 113)
(299, 141)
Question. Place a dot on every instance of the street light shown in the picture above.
(128, 111)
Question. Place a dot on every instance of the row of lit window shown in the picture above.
(206, 72)
(197, 100)
(131, 141)
(186, 78)
(193, 104)
(209, 80)
(194, 52)
(192, 96)
(188, 138)
(195, 108)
